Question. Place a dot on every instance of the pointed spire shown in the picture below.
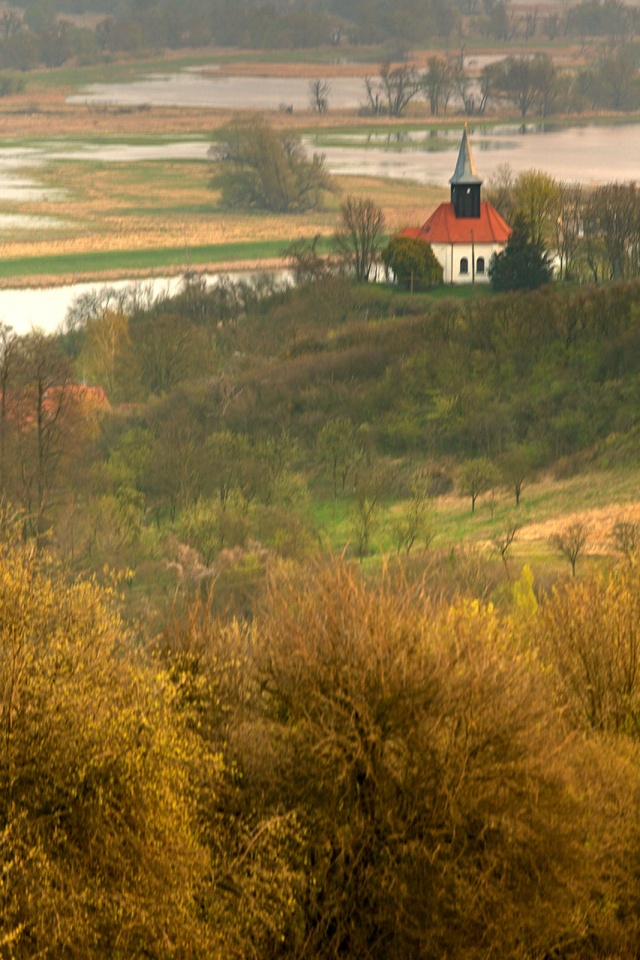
(465, 172)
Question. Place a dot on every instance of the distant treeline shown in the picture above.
(136, 25)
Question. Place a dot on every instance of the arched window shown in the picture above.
(480, 265)
(464, 265)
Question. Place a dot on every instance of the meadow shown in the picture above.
(118, 218)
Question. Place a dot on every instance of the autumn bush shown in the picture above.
(358, 769)
(589, 631)
(98, 847)
(404, 783)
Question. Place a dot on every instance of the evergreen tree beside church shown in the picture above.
(523, 264)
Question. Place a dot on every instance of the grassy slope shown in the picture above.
(598, 499)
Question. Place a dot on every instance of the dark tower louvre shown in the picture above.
(465, 183)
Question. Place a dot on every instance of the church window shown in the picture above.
(464, 265)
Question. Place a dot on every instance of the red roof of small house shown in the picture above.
(444, 227)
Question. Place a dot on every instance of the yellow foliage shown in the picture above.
(589, 633)
(98, 850)
(525, 603)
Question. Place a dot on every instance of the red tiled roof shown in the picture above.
(444, 227)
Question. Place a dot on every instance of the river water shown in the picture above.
(46, 308)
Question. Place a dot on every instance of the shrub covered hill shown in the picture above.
(339, 760)
(553, 370)
(246, 415)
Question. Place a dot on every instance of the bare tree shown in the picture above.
(400, 86)
(486, 86)
(504, 541)
(8, 355)
(374, 96)
(625, 538)
(360, 235)
(612, 214)
(306, 262)
(571, 542)
(10, 24)
(569, 227)
(319, 91)
(394, 91)
(340, 452)
(516, 469)
(462, 83)
(530, 23)
(43, 424)
(364, 518)
(527, 82)
(414, 520)
(437, 84)
(500, 191)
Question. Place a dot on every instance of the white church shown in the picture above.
(466, 232)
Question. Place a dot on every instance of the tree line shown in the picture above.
(594, 231)
(44, 35)
(532, 85)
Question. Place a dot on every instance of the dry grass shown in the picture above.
(548, 507)
(598, 524)
(134, 206)
(43, 113)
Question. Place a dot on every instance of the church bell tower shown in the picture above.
(465, 183)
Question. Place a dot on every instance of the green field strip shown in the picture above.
(134, 260)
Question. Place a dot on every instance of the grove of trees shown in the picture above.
(594, 231)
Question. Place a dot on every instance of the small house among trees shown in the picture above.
(466, 232)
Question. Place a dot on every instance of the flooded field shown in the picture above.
(590, 153)
(585, 154)
(190, 89)
(15, 185)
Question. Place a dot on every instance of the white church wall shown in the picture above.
(454, 256)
